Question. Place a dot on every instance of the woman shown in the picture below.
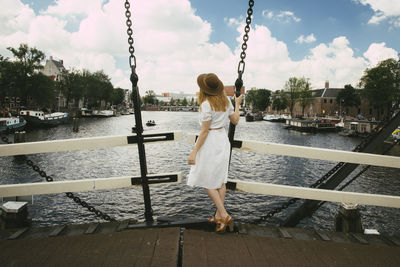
(210, 156)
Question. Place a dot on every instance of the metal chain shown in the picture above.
(132, 59)
(242, 64)
(48, 178)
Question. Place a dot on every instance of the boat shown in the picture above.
(84, 112)
(150, 123)
(307, 125)
(103, 113)
(39, 118)
(274, 118)
(11, 124)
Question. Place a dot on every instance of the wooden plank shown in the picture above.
(92, 228)
(58, 231)
(315, 153)
(151, 247)
(123, 225)
(82, 185)
(323, 236)
(88, 143)
(284, 233)
(359, 238)
(18, 233)
(316, 194)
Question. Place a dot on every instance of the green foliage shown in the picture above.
(305, 96)
(279, 101)
(118, 96)
(184, 102)
(382, 83)
(27, 61)
(259, 99)
(149, 98)
(41, 89)
(293, 88)
(71, 85)
(348, 97)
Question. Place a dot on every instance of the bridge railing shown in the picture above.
(253, 187)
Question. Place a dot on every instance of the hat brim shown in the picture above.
(205, 89)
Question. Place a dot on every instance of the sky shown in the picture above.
(176, 40)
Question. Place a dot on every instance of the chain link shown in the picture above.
(48, 178)
(132, 59)
(242, 64)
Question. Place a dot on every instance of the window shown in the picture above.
(324, 101)
(330, 101)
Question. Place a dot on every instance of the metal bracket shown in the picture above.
(148, 138)
(156, 179)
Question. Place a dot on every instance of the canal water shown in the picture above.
(180, 200)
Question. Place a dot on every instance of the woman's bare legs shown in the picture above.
(218, 197)
(222, 193)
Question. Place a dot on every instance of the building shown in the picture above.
(53, 69)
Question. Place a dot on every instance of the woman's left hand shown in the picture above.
(192, 158)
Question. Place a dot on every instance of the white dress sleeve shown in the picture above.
(205, 113)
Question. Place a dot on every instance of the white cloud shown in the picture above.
(384, 10)
(281, 16)
(308, 39)
(172, 46)
(377, 52)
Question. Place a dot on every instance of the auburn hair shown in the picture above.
(217, 102)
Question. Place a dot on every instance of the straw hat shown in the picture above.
(210, 84)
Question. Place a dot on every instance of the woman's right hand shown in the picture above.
(238, 100)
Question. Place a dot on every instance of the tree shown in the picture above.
(293, 87)
(305, 96)
(184, 102)
(7, 79)
(118, 96)
(279, 101)
(149, 98)
(41, 90)
(259, 99)
(382, 84)
(71, 85)
(28, 60)
(348, 97)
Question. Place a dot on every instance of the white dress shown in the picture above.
(212, 160)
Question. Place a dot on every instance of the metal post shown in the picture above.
(238, 87)
(148, 213)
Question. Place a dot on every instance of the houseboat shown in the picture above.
(358, 127)
(11, 124)
(308, 125)
(39, 118)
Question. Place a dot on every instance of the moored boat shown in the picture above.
(11, 124)
(103, 113)
(39, 118)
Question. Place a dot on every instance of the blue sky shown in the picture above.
(326, 19)
(175, 40)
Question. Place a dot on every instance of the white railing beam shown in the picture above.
(315, 194)
(72, 144)
(315, 153)
(83, 185)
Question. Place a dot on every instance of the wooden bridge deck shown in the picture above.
(160, 247)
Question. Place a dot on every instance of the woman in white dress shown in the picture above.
(210, 155)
